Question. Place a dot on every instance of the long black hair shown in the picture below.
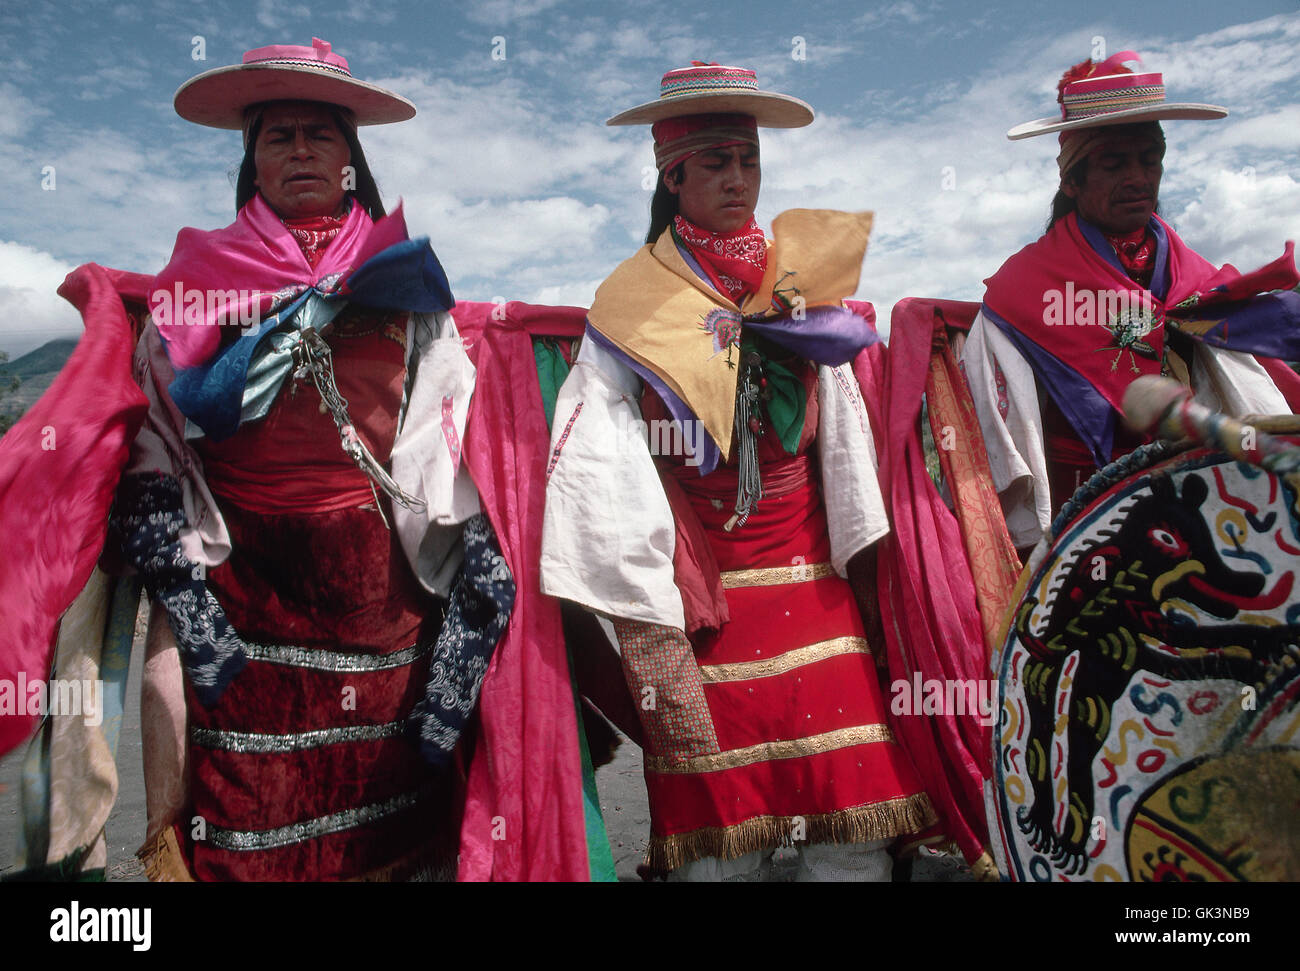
(366, 191)
(1063, 205)
(664, 205)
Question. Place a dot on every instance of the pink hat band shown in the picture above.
(1115, 92)
(318, 55)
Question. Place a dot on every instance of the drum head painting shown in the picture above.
(1149, 723)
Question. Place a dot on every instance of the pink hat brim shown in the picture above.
(218, 98)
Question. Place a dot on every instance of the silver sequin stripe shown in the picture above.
(239, 840)
(321, 660)
(258, 743)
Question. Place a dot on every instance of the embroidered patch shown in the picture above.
(724, 325)
(449, 432)
(564, 437)
(1128, 326)
(478, 613)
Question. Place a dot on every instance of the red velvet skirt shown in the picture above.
(302, 770)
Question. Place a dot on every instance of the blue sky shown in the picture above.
(526, 195)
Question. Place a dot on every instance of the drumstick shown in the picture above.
(1161, 406)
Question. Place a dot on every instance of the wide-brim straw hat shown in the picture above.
(716, 89)
(284, 72)
(1093, 95)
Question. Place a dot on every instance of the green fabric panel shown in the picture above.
(552, 369)
(788, 405)
(600, 859)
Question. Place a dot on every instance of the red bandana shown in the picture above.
(1136, 252)
(313, 234)
(735, 261)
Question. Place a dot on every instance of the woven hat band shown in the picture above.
(706, 79)
(1100, 96)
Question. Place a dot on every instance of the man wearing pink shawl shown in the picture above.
(317, 649)
(1109, 293)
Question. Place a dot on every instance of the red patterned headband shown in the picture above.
(677, 139)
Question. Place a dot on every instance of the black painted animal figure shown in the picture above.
(1122, 606)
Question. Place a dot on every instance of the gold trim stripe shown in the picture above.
(773, 576)
(771, 751)
(766, 668)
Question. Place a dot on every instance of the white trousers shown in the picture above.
(818, 862)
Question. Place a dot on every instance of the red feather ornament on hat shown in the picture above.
(1086, 69)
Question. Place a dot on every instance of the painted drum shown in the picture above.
(1149, 690)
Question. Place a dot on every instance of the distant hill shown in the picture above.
(36, 371)
(50, 356)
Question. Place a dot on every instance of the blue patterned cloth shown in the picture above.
(482, 598)
(149, 516)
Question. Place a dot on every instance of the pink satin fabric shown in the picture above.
(927, 596)
(527, 769)
(257, 255)
(59, 467)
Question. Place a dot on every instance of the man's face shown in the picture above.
(1122, 184)
(719, 188)
(299, 155)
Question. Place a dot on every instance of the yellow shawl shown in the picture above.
(659, 312)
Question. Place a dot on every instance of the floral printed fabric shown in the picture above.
(664, 679)
(481, 601)
(149, 517)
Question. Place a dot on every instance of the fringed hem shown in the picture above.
(163, 860)
(859, 824)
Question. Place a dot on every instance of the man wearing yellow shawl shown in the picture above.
(719, 544)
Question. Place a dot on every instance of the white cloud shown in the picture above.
(526, 195)
(1242, 217)
(904, 12)
(576, 294)
(32, 312)
(487, 239)
(19, 113)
